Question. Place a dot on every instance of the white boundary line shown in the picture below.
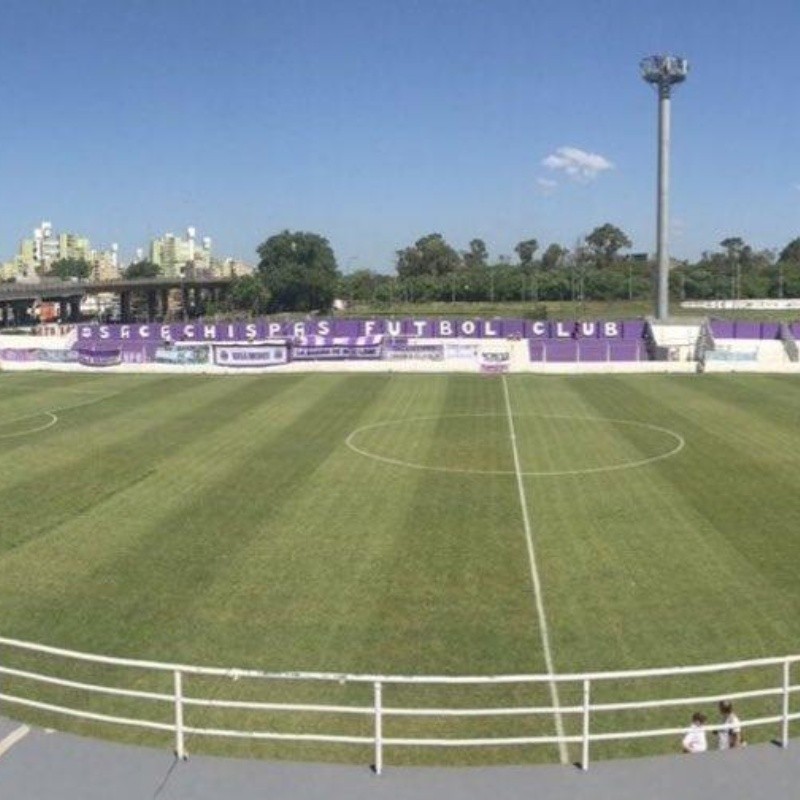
(13, 738)
(537, 585)
(680, 444)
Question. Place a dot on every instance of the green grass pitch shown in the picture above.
(372, 523)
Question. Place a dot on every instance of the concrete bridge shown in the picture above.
(16, 299)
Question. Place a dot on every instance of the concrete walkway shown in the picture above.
(54, 765)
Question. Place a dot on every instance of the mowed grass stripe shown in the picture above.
(728, 481)
(121, 414)
(275, 583)
(86, 461)
(757, 419)
(124, 555)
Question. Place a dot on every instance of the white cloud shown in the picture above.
(577, 164)
(547, 185)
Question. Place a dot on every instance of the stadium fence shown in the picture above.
(776, 672)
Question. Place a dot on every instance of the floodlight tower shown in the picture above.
(663, 72)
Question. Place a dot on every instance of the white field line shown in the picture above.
(535, 580)
(53, 417)
(350, 442)
(13, 738)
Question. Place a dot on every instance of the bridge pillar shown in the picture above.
(199, 301)
(125, 306)
(75, 309)
(152, 305)
(185, 301)
(20, 309)
(63, 309)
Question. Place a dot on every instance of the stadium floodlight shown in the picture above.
(663, 72)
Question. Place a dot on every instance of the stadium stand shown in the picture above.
(591, 343)
(762, 343)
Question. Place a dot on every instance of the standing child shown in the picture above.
(730, 734)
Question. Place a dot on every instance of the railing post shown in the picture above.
(180, 749)
(785, 709)
(378, 728)
(587, 689)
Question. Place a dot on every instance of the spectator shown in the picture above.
(695, 739)
(730, 734)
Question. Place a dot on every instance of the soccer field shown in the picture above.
(402, 524)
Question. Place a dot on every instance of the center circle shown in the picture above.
(547, 444)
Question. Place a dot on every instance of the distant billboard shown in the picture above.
(766, 304)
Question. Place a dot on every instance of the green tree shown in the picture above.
(554, 256)
(733, 246)
(791, 253)
(248, 293)
(430, 255)
(526, 250)
(360, 286)
(142, 269)
(300, 271)
(477, 255)
(605, 242)
(65, 268)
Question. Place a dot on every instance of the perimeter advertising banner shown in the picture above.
(408, 350)
(494, 361)
(100, 358)
(187, 354)
(335, 352)
(251, 355)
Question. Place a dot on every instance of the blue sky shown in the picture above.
(374, 123)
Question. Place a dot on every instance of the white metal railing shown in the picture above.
(780, 687)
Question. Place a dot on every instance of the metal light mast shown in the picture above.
(663, 72)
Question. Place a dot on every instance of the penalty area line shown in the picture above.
(535, 580)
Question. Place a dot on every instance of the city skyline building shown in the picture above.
(179, 255)
(37, 254)
(175, 255)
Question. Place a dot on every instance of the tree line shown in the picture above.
(297, 271)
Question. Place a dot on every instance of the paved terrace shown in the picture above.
(38, 765)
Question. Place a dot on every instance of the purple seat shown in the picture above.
(770, 330)
(628, 351)
(722, 329)
(561, 350)
(633, 329)
(593, 350)
(747, 330)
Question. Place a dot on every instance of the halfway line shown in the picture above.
(537, 586)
